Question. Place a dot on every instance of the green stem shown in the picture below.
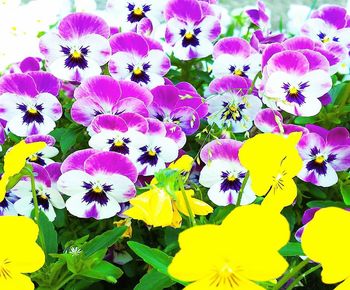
(240, 194)
(188, 206)
(64, 282)
(291, 274)
(258, 75)
(302, 276)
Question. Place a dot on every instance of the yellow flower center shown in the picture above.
(76, 54)
(326, 39)
(118, 143)
(238, 72)
(225, 277)
(138, 11)
(293, 91)
(319, 159)
(4, 271)
(137, 71)
(43, 196)
(189, 35)
(231, 178)
(233, 108)
(97, 189)
(32, 111)
(33, 157)
(152, 153)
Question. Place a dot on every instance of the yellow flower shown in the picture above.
(233, 255)
(326, 240)
(273, 161)
(126, 223)
(157, 208)
(15, 159)
(19, 252)
(183, 164)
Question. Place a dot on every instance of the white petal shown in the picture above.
(71, 182)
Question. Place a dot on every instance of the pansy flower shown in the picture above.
(235, 56)
(273, 161)
(189, 30)
(103, 95)
(155, 149)
(325, 240)
(19, 252)
(117, 133)
(79, 49)
(323, 154)
(131, 14)
(234, 264)
(230, 104)
(29, 104)
(223, 173)
(294, 81)
(6, 205)
(96, 183)
(47, 196)
(138, 59)
(44, 156)
(26, 65)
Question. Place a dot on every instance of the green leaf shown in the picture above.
(291, 250)
(68, 139)
(50, 236)
(220, 213)
(154, 280)
(154, 257)
(103, 271)
(345, 192)
(305, 120)
(104, 240)
(325, 203)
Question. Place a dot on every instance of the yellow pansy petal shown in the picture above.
(15, 158)
(261, 182)
(326, 240)
(3, 183)
(16, 282)
(280, 197)
(18, 228)
(198, 207)
(252, 221)
(184, 163)
(177, 219)
(344, 286)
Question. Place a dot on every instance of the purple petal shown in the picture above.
(233, 83)
(84, 110)
(310, 144)
(19, 84)
(341, 156)
(326, 99)
(109, 163)
(299, 42)
(290, 128)
(129, 42)
(54, 170)
(144, 27)
(29, 64)
(131, 105)
(49, 140)
(135, 121)
(175, 133)
(334, 53)
(331, 14)
(41, 174)
(317, 129)
(46, 82)
(291, 62)
(309, 215)
(195, 102)
(76, 25)
(134, 90)
(269, 51)
(338, 136)
(265, 120)
(2, 135)
(232, 45)
(207, 9)
(108, 122)
(224, 149)
(188, 119)
(184, 86)
(185, 10)
(165, 97)
(153, 44)
(156, 127)
(316, 60)
(76, 160)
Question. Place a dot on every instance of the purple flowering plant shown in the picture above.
(143, 108)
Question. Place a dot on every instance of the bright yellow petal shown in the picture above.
(183, 164)
(16, 282)
(198, 207)
(177, 219)
(280, 197)
(15, 158)
(344, 286)
(3, 183)
(326, 240)
(18, 228)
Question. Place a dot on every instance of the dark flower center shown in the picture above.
(96, 193)
(231, 181)
(31, 113)
(294, 94)
(75, 57)
(119, 146)
(190, 37)
(149, 156)
(137, 13)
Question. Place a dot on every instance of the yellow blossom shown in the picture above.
(184, 164)
(126, 223)
(15, 160)
(233, 255)
(326, 240)
(273, 161)
(19, 252)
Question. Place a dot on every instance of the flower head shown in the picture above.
(326, 240)
(19, 252)
(233, 264)
(272, 161)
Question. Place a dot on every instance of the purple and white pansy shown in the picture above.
(138, 59)
(230, 105)
(47, 195)
(189, 29)
(324, 153)
(103, 95)
(235, 56)
(223, 174)
(97, 183)
(154, 150)
(293, 81)
(44, 156)
(79, 49)
(7, 205)
(28, 103)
